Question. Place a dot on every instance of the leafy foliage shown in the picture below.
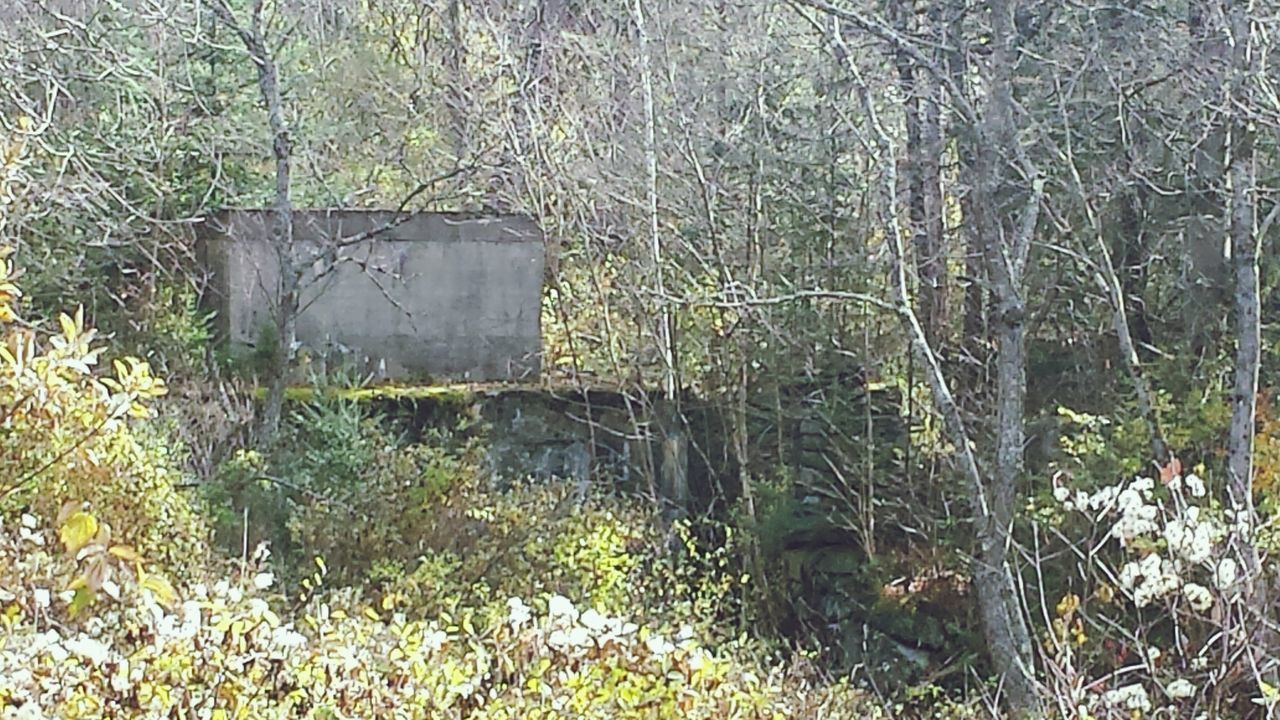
(226, 650)
(68, 439)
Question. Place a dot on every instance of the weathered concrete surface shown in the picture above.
(439, 295)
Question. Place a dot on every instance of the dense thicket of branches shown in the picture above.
(998, 209)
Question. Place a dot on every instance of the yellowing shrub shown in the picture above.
(228, 652)
(67, 439)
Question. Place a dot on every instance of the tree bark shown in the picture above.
(1245, 249)
(1244, 259)
(665, 333)
(1007, 245)
(974, 348)
(993, 496)
(923, 179)
(287, 292)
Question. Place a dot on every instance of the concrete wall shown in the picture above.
(439, 295)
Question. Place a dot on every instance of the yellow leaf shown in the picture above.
(68, 326)
(78, 530)
(1105, 593)
(124, 552)
(161, 589)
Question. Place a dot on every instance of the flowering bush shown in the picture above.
(1168, 597)
(228, 651)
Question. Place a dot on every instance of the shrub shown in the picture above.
(69, 438)
(226, 651)
(1161, 623)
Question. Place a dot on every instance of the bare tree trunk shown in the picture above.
(973, 335)
(457, 95)
(665, 334)
(287, 295)
(1007, 245)
(934, 251)
(1245, 248)
(1244, 260)
(923, 178)
(1206, 262)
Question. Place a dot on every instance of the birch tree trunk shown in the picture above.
(664, 333)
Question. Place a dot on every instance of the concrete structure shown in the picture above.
(439, 295)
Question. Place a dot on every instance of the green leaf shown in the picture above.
(84, 597)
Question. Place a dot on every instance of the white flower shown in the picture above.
(697, 660)
(1104, 498)
(1180, 689)
(1062, 494)
(34, 538)
(1129, 697)
(1148, 579)
(434, 639)
(287, 638)
(517, 612)
(560, 607)
(263, 580)
(1136, 517)
(1198, 596)
(28, 711)
(89, 649)
(42, 597)
(1195, 485)
(659, 645)
(594, 621)
(574, 637)
(1191, 540)
(191, 619)
(1225, 576)
(120, 678)
(29, 521)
